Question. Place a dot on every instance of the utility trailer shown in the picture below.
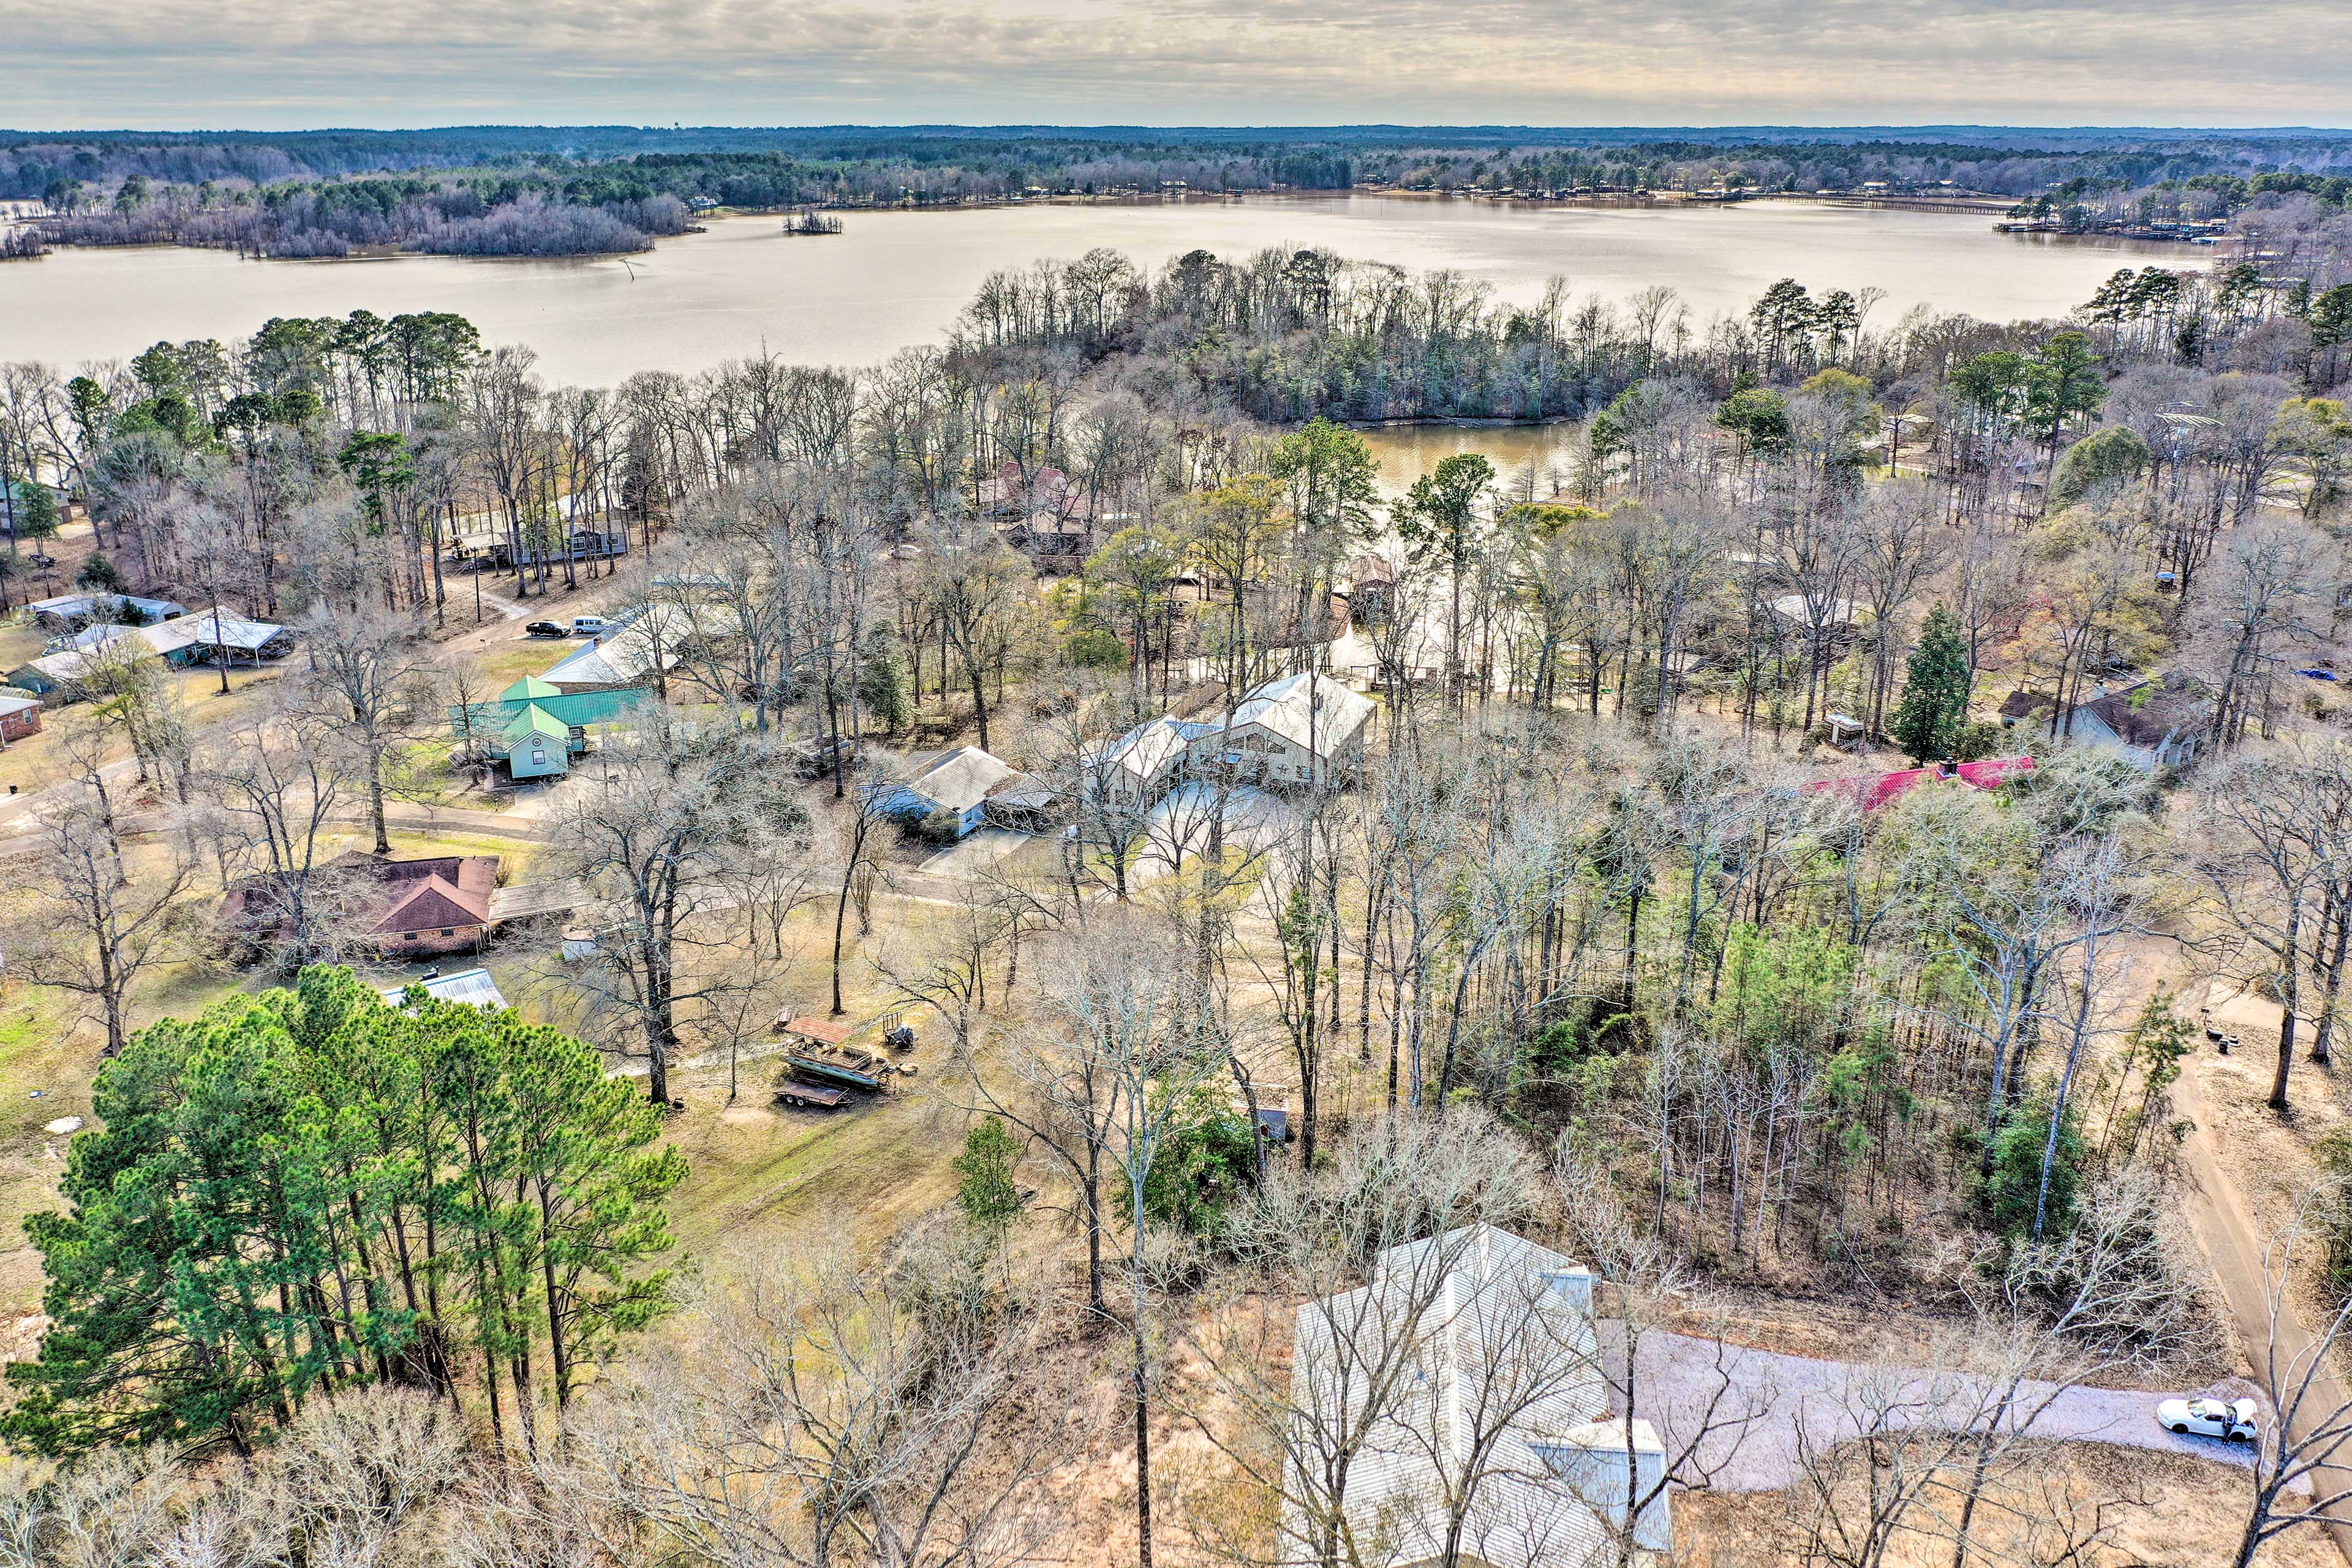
(811, 1096)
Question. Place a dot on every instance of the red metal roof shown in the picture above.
(1871, 790)
(823, 1031)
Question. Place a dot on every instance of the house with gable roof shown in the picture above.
(1301, 730)
(399, 907)
(1466, 1374)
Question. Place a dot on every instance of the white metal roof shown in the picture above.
(1314, 712)
(1471, 1321)
(470, 985)
(960, 779)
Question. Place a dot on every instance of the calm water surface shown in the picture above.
(898, 278)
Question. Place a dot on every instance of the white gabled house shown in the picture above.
(1298, 731)
(1461, 1387)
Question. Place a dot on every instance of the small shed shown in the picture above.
(469, 985)
(19, 716)
(1845, 731)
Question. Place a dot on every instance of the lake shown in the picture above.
(896, 279)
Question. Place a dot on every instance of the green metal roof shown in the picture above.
(536, 720)
(528, 686)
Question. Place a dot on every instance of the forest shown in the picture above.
(1807, 842)
(576, 191)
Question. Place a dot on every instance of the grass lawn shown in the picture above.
(35, 763)
(45, 1047)
(502, 664)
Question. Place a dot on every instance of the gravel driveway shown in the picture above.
(1762, 1400)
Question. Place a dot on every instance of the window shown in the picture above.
(448, 931)
(408, 936)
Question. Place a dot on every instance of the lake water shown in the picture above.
(896, 279)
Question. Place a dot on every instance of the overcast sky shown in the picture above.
(290, 64)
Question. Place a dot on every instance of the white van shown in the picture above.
(588, 626)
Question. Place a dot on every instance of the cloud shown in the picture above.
(264, 64)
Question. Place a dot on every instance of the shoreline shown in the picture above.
(1655, 201)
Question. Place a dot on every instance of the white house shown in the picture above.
(960, 781)
(628, 654)
(1464, 1382)
(1137, 768)
(1301, 730)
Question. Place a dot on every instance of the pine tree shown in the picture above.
(308, 1189)
(1935, 707)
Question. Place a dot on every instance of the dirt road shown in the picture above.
(2226, 1231)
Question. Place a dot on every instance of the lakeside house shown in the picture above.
(1496, 1441)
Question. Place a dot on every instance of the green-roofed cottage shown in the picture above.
(538, 744)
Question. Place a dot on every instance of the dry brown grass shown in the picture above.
(2164, 1510)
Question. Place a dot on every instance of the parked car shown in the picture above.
(2229, 1418)
(588, 626)
(43, 562)
(545, 629)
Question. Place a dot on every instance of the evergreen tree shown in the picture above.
(308, 1189)
(986, 1194)
(1929, 719)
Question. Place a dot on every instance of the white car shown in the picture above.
(2233, 1419)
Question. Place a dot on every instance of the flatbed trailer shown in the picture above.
(812, 1096)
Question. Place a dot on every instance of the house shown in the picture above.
(1293, 731)
(19, 717)
(2156, 724)
(473, 986)
(218, 636)
(536, 745)
(400, 908)
(71, 612)
(959, 782)
(1497, 1438)
(1132, 772)
(634, 655)
(537, 729)
(1372, 589)
(93, 650)
(1304, 729)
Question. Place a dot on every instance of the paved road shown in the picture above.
(1677, 1377)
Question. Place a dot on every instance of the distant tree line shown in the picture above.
(512, 192)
